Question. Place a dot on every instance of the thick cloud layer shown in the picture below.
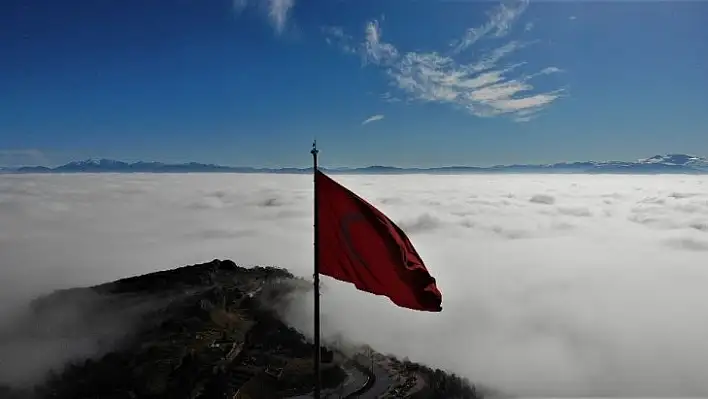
(552, 285)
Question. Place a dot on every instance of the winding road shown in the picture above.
(379, 381)
(362, 383)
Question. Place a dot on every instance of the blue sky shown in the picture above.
(251, 82)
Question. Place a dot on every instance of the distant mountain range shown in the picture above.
(658, 164)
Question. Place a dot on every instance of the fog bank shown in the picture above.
(552, 285)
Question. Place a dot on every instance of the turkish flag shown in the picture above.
(360, 245)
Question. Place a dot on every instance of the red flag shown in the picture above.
(360, 245)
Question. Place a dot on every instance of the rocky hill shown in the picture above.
(208, 331)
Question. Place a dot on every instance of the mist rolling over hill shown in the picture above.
(553, 285)
(658, 164)
(195, 332)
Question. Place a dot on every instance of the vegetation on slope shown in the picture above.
(196, 332)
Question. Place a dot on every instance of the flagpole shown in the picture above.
(318, 350)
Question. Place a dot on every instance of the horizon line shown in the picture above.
(448, 166)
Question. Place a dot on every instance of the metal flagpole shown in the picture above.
(371, 358)
(318, 351)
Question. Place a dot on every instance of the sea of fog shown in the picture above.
(552, 285)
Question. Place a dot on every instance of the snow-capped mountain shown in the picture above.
(95, 162)
(690, 161)
(657, 164)
(91, 165)
(670, 163)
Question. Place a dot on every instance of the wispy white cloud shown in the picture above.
(334, 35)
(549, 70)
(239, 5)
(499, 24)
(572, 17)
(375, 50)
(389, 98)
(278, 11)
(487, 85)
(372, 119)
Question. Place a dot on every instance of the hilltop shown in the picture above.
(209, 331)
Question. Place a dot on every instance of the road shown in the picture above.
(355, 382)
(362, 383)
(379, 382)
